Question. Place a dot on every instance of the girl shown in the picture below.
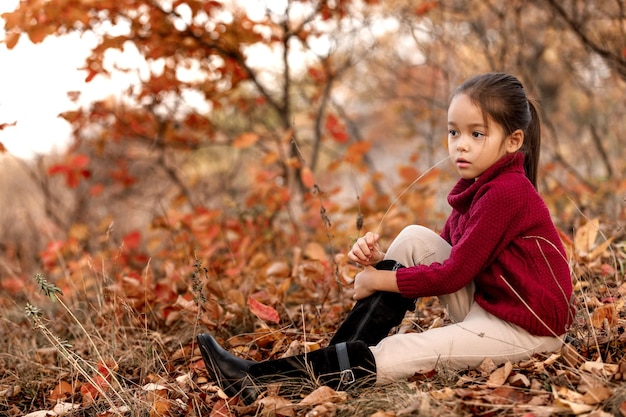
(498, 266)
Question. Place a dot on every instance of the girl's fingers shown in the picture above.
(364, 248)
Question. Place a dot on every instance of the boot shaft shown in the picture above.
(372, 318)
(340, 367)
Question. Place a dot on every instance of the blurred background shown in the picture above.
(141, 135)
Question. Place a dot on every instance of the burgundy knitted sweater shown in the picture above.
(503, 238)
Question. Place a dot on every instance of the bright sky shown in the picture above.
(34, 82)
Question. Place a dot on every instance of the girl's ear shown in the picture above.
(515, 141)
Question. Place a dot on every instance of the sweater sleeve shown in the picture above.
(491, 225)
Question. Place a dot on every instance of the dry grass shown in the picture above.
(89, 341)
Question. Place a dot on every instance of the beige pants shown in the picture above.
(473, 335)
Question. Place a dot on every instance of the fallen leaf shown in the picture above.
(606, 312)
(63, 408)
(62, 390)
(40, 413)
(278, 269)
(571, 400)
(322, 395)
(221, 409)
(314, 250)
(277, 406)
(487, 367)
(598, 368)
(586, 236)
(262, 311)
(597, 395)
(519, 380)
(444, 394)
(500, 375)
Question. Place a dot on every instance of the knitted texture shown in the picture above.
(503, 238)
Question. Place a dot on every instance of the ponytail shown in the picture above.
(532, 144)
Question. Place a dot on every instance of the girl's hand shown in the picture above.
(366, 251)
(364, 283)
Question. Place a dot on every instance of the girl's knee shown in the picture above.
(417, 244)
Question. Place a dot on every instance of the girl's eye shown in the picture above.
(478, 135)
(452, 132)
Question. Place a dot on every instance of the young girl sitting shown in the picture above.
(498, 266)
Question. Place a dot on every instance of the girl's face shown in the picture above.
(472, 146)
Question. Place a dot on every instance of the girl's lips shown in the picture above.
(462, 163)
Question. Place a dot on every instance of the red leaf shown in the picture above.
(79, 161)
(132, 240)
(262, 311)
(425, 7)
(336, 129)
(74, 170)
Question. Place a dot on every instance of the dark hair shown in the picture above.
(502, 97)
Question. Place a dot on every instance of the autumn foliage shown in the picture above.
(220, 190)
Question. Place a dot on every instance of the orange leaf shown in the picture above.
(262, 311)
(306, 175)
(606, 312)
(355, 151)
(61, 391)
(408, 173)
(245, 140)
(11, 39)
(3, 149)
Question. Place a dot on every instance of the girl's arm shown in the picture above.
(371, 280)
(493, 223)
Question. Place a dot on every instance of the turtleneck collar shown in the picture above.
(462, 195)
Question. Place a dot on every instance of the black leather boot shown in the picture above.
(229, 371)
(340, 367)
(371, 318)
